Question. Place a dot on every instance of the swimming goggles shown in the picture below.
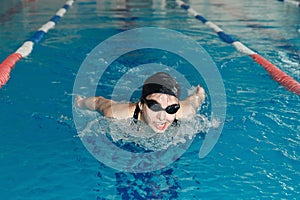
(155, 106)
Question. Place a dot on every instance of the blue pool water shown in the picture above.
(256, 157)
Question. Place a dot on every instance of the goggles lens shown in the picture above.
(155, 106)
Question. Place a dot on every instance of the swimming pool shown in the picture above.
(256, 157)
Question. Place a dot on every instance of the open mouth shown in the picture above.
(161, 126)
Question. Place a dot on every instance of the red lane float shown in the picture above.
(281, 77)
(288, 82)
(7, 65)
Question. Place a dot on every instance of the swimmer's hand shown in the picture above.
(79, 102)
(190, 105)
(198, 97)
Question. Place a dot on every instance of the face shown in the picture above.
(158, 118)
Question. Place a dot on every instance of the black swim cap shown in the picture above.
(161, 82)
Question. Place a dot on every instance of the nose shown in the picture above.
(161, 115)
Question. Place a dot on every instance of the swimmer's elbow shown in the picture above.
(107, 113)
(103, 105)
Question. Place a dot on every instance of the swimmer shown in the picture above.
(159, 106)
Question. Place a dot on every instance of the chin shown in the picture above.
(159, 131)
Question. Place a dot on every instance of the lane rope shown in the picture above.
(27, 47)
(296, 3)
(281, 77)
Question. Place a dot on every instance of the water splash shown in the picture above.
(140, 134)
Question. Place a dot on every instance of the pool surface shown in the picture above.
(257, 155)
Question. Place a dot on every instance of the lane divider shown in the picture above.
(26, 48)
(281, 77)
(296, 3)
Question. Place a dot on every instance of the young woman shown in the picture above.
(159, 106)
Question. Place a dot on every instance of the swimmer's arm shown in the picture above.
(189, 106)
(99, 104)
(107, 107)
